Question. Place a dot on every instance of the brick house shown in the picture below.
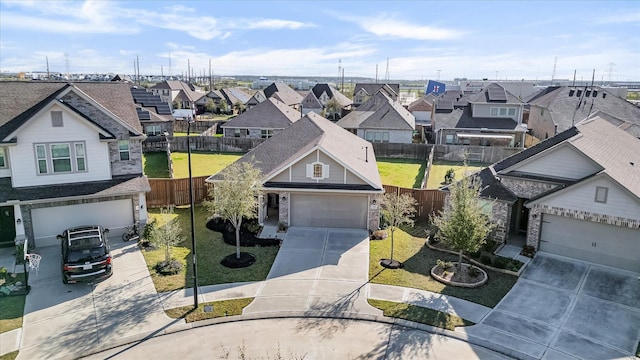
(261, 121)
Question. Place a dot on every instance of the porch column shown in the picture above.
(533, 229)
(284, 200)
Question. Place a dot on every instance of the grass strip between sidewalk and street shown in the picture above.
(12, 311)
(419, 314)
(218, 309)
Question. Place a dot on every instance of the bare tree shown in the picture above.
(397, 210)
(235, 196)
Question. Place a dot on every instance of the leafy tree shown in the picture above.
(239, 107)
(397, 210)
(333, 107)
(461, 224)
(210, 106)
(167, 233)
(176, 104)
(234, 197)
(223, 107)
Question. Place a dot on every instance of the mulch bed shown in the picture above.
(247, 238)
(232, 261)
(455, 275)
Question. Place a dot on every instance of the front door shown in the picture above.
(524, 219)
(7, 226)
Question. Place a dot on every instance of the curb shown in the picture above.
(183, 326)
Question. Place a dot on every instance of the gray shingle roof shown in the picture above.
(189, 91)
(318, 89)
(483, 97)
(19, 100)
(269, 114)
(283, 92)
(462, 119)
(313, 130)
(379, 112)
(391, 90)
(118, 185)
(565, 111)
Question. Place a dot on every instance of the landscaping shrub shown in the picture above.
(171, 267)
(489, 246)
(528, 251)
(485, 259)
(444, 265)
(379, 235)
(449, 176)
(500, 262)
(474, 271)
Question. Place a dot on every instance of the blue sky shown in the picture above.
(473, 39)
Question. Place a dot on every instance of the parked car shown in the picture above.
(85, 254)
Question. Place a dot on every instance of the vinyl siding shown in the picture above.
(565, 162)
(74, 129)
(619, 202)
(299, 170)
(484, 110)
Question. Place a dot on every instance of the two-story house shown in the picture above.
(492, 117)
(178, 92)
(283, 93)
(262, 121)
(558, 108)
(381, 119)
(362, 92)
(70, 154)
(319, 96)
(154, 114)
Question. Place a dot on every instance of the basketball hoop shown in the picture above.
(34, 261)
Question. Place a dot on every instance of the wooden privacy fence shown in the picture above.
(166, 192)
(429, 201)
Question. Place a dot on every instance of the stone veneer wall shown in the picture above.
(283, 210)
(501, 215)
(526, 188)
(28, 219)
(374, 211)
(535, 218)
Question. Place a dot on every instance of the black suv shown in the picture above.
(85, 254)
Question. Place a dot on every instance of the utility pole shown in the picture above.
(189, 71)
(169, 65)
(138, 67)
(210, 83)
(48, 75)
(376, 73)
(161, 73)
(386, 73)
(553, 74)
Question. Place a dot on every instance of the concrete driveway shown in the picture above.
(565, 309)
(65, 321)
(318, 270)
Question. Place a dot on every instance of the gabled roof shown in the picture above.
(234, 95)
(283, 92)
(19, 100)
(318, 89)
(483, 97)
(269, 114)
(567, 110)
(379, 112)
(190, 93)
(310, 101)
(424, 103)
(257, 98)
(392, 90)
(311, 132)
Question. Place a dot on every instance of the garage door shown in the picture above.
(599, 243)
(49, 222)
(329, 211)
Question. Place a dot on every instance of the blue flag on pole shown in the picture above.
(434, 87)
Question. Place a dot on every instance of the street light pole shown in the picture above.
(193, 226)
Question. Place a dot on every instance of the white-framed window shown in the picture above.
(502, 112)
(494, 111)
(449, 139)
(3, 159)
(317, 171)
(266, 133)
(153, 130)
(368, 136)
(512, 112)
(56, 119)
(236, 132)
(58, 158)
(123, 149)
(377, 136)
(601, 194)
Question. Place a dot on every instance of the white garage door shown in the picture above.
(329, 211)
(49, 222)
(599, 243)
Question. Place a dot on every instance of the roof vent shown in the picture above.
(579, 93)
(571, 92)
(604, 95)
(587, 93)
(595, 93)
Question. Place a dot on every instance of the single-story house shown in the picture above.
(262, 121)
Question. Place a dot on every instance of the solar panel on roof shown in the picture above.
(144, 115)
(445, 105)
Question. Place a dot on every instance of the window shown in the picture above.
(494, 111)
(58, 158)
(486, 206)
(81, 163)
(449, 139)
(61, 158)
(601, 194)
(368, 136)
(123, 149)
(56, 118)
(377, 136)
(317, 170)
(512, 112)
(266, 133)
(541, 111)
(3, 160)
(153, 130)
(236, 132)
(503, 111)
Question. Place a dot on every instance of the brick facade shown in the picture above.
(526, 188)
(283, 213)
(374, 211)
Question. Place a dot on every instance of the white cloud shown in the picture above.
(274, 24)
(627, 17)
(385, 26)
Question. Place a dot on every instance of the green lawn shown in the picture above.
(439, 169)
(219, 309)
(406, 173)
(418, 261)
(202, 163)
(419, 314)
(210, 249)
(12, 311)
(9, 356)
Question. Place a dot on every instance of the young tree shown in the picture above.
(223, 108)
(235, 196)
(167, 233)
(333, 107)
(239, 107)
(210, 106)
(397, 210)
(461, 224)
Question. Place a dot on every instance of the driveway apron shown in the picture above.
(65, 321)
(565, 308)
(318, 270)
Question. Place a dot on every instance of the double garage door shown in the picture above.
(49, 222)
(598, 243)
(329, 211)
